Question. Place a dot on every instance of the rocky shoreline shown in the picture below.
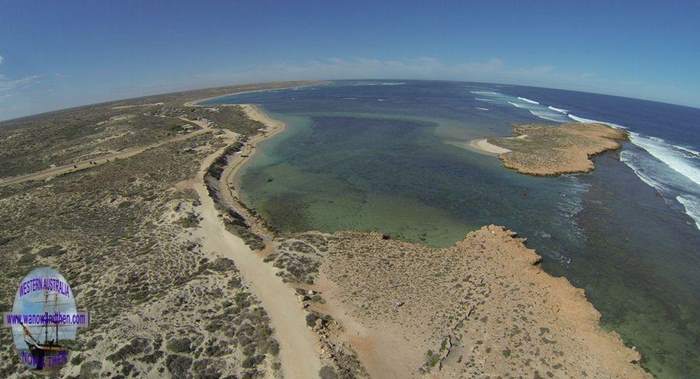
(484, 306)
(545, 150)
(480, 307)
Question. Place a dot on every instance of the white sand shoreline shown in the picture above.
(483, 146)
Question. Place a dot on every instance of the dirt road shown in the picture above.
(298, 345)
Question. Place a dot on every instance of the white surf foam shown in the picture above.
(658, 148)
(692, 207)
(665, 152)
(547, 115)
(487, 93)
(564, 111)
(482, 109)
(538, 110)
(654, 173)
(588, 120)
(693, 153)
(486, 100)
(525, 99)
(675, 171)
(676, 158)
(522, 106)
(532, 106)
(634, 162)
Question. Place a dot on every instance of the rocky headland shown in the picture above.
(554, 150)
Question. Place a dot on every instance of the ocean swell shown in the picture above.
(669, 154)
(673, 170)
(532, 106)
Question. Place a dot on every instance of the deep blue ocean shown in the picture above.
(393, 156)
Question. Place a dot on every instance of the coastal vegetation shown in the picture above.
(124, 234)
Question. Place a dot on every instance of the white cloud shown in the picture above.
(7, 84)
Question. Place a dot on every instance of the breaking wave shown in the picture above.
(588, 120)
(692, 207)
(517, 105)
(487, 93)
(547, 115)
(558, 109)
(673, 170)
(690, 151)
(525, 99)
(673, 157)
(532, 106)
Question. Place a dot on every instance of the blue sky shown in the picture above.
(57, 54)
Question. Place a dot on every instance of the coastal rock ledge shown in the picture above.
(546, 150)
(482, 307)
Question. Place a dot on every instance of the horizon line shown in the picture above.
(193, 89)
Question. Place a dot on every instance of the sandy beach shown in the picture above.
(483, 146)
(231, 175)
(273, 127)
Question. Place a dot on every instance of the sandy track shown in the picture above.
(298, 345)
(83, 165)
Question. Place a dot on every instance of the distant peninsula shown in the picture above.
(544, 150)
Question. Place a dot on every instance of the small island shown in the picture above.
(544, 150)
